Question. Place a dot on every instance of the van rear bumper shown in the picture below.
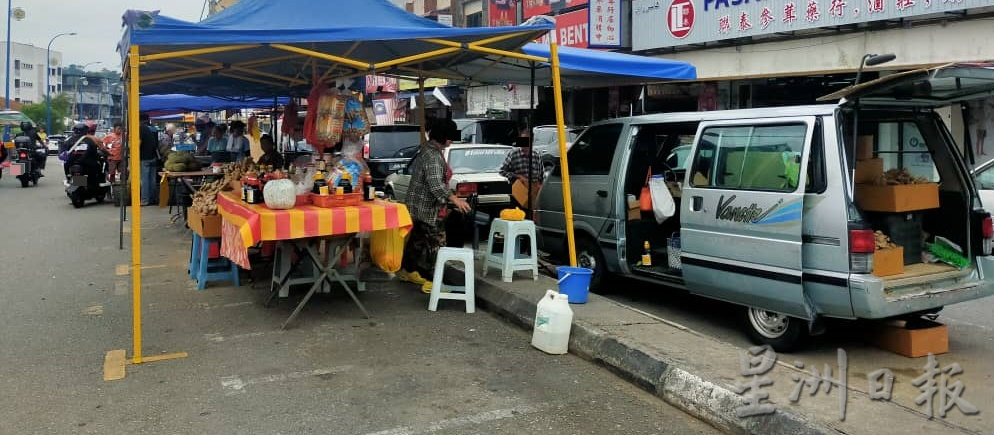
(872, 300)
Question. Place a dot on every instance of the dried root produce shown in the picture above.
(883, 241)
(894, 177)
(205, 199)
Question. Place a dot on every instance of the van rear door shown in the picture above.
(743, 205)
(927, 87)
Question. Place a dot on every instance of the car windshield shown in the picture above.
(549, 137)
(477, 160)
(386, 142)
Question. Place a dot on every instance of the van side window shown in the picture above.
(761, 157)
(817, 181)
(902, 146)
(593, 152)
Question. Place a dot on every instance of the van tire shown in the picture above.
(782, 332)
(589, 255)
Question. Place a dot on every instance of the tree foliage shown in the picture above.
(61, 105)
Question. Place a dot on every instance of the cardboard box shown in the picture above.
(864, 148)
(519, 191)
(869, 171)
(899, 198)
(208, 226)
(634, 209)
(911, 339)
(887, 262)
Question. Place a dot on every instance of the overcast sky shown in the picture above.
(97, 23)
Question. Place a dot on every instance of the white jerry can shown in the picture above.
(553, 320)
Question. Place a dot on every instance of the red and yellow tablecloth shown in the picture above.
(256, 222)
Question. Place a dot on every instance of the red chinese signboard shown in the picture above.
(571, 30)
(539, 7)
(680, 18)
(502, 12)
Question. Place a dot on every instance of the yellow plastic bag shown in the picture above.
(386, 247)
(512, 214)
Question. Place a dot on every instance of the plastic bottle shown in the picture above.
(646, 255)
(553, 321)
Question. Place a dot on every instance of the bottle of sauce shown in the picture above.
(346, 182)
(368, 191)
(319, 182)
(646, 255)
(248, 187)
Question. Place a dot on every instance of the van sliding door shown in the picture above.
(743, 205)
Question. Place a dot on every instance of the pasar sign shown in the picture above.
(571, 30)
(666, 23)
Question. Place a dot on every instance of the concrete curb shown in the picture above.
(654, 372)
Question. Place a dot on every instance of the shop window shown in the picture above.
(762, 157)
(17, 64)
(593, 151)
(474, 20)
(902, 146)
(17, 83)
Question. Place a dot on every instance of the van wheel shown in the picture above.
(589, 255)
(782, 332)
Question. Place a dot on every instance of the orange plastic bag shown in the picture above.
(645, 198)
(386, 248)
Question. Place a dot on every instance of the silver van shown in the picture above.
(766, 215)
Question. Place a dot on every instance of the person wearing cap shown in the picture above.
(427, 201)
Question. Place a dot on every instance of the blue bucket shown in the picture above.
(574, 282)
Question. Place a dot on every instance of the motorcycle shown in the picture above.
(81, 186)
(28, 156)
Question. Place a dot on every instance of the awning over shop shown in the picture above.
(189, 103)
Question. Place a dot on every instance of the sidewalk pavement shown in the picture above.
(697, 373)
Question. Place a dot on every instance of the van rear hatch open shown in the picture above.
(899, 139)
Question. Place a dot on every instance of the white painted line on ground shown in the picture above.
(209, 307)
(475, 419)
(218, 338)
(236, 385)
(94, 310)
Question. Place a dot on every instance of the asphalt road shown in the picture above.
(63, 305)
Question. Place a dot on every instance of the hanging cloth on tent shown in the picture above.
(289, 126)
(325, 117)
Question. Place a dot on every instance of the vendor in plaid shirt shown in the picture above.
(426, 200)
(515, 167)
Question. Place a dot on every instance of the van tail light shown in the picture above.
(861, 247)
(465, 189)
(987, 230)
(365, 150)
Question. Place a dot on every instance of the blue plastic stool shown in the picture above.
(204, 269)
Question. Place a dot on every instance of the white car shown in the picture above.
(475, 169)
(983, 176)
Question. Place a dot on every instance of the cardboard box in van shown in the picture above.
(869, 171)
(897, 198)
(887, 262)
(864, 148)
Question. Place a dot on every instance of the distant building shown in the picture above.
(27, 72)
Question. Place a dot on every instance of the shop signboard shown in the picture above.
(377, 84)
(605, 23)
(666, 23)
(445, 19)
(540, 7)
(502, 12)
(481, 99)
(412, 85)
(571, 30)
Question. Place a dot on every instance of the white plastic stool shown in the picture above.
(460, 293)
(511, 260)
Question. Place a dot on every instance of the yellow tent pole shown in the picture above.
(194, 52)
(181, 73)
(506, 53)
(353, 63)
(134, 152)
(291, 80)
(557, 91)
(418, 57)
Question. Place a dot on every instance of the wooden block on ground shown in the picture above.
(114, 364)
(911, 339)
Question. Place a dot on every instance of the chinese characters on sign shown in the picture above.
(605, 23)
(759, 360)
(664, 23)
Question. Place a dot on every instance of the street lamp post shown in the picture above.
(48, 82)
(6, 94)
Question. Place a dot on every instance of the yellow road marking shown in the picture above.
(114, 364)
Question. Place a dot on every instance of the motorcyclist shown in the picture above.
(37, 159)
(85, 152)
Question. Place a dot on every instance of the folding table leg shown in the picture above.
(307, 297)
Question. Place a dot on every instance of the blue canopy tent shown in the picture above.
(190, 103)
(281, 48)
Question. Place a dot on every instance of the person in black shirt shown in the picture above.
(270, 156)
(149, 157)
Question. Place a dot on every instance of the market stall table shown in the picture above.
(301, 229)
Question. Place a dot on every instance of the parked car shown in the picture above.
(768, 214)
(545, 141)
(983, 176)
(54, 142)
(475, 169)
(487, 131)
(388, 149)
